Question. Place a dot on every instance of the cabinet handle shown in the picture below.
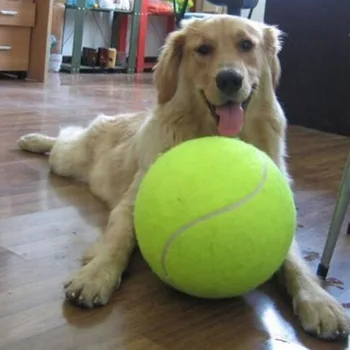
(5, 48)
(8, 13)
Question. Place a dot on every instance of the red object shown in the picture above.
(170, 24)
(146, 9)
(141, 48)
(159, 7)
(141, 45)
(123, 29)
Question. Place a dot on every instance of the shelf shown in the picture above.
(66, 67)
(164, 14)
(92, 9)
(119, 24)
(148, 66)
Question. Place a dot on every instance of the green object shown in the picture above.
(214, 217)
(180, 4)
(78, 36)
(134, 34)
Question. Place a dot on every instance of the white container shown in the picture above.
(55, 62)
(123, 5)
(106, 4)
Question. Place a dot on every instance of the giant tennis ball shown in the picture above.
(214, 217)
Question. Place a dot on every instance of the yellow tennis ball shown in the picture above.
(214, 217)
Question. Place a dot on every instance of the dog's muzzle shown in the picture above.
(229, 116)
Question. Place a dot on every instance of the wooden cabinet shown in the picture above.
(24, 31)
(19, 13)
(14, 49)
(314, 89)
(16, 20)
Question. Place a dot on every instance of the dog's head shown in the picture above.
(222, 59)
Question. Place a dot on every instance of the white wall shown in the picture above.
(97, 30)
(259, 11)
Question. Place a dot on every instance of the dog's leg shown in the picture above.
(68, 152)
(36, 143)
(320, 314)
(95, 282)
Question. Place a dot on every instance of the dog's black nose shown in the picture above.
(229, 81)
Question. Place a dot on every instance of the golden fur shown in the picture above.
(112, 154)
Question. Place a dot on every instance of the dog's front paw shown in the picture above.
(92, 286)
(321, 315)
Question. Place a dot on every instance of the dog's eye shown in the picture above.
(246, 45)
(204, 49)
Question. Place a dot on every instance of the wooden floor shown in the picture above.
(46, 222)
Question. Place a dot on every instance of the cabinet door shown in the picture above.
(315, 84)
(14, 48)
(17, 13)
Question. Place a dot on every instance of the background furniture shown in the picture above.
(117, 40)
(315, 58)
(337, 221)
(234, 7)
(141, 65)
(24, 37)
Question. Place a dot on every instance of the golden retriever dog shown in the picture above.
(215, 76)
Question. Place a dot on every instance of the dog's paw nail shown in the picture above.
(118, 283)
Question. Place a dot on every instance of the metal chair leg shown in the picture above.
(336, 223)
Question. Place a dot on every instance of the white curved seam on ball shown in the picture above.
(223, 210)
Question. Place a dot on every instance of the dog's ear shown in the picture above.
(272, 46)
(166, 70)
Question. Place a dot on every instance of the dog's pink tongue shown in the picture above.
(231, 119)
